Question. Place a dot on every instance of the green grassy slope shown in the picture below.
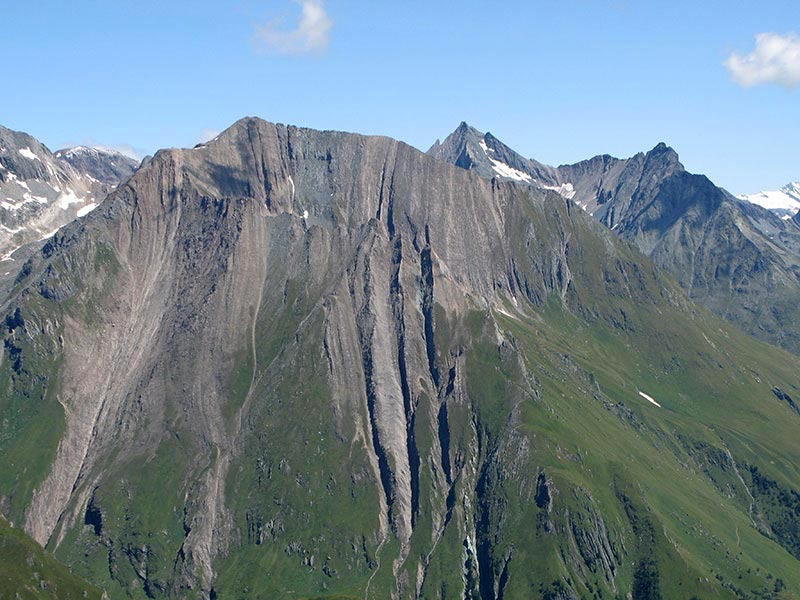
(538, 467)
(28, 572)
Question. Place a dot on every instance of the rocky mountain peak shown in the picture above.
(41, 191)
(104, 165)
(665, 157)
(395, 352)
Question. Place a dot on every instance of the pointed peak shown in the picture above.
(792, 188)
(662, 148)
(465, 129)
(663, 153)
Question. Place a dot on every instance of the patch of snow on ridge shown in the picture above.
(566, 190)
(7, 256)
(31, 198)
(26, 152)
(649, 399)
(485, 148)
(504, 170)
(85, 210)
(68, 198)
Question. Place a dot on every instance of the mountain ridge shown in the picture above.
(737, 258)
(413, 382)
(41, 191)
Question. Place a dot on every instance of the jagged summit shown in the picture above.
(689, 226)
(483, 153)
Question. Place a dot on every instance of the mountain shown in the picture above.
(291, 363)
(108, 167)
(738, 259)
(784, 202)
(487, 156)
(40, 191)
(27, 571)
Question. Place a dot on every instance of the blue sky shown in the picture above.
(557, 81)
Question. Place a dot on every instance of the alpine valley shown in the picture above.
(291, 363)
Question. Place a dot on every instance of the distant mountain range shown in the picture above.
(739, 259)
(41, 191)
(784, 202)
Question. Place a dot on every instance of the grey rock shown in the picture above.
(738, 259)
(41, 191)
(106, 166)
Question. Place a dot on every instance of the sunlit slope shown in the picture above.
(295, 364)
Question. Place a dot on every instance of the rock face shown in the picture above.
(737, 258)
(40, 191)
(105, 166)
(293, 363)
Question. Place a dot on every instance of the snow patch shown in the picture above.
(566, 190)
(85, 210)
(26, 152)
(649, 399)
(67, 198)
(7, 257)
(504, 312)
(505, 170)
(305, 214)
(47, 236)
(31, 198)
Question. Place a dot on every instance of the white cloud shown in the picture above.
(123, 149)
(776, 59)
(312, 33)
(206, 135)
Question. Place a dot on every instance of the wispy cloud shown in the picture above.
(123, 149)
(206, 135)
(775, 60)
(312, 33)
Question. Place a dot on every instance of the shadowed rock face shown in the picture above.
(740, 260)
(306, 362)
